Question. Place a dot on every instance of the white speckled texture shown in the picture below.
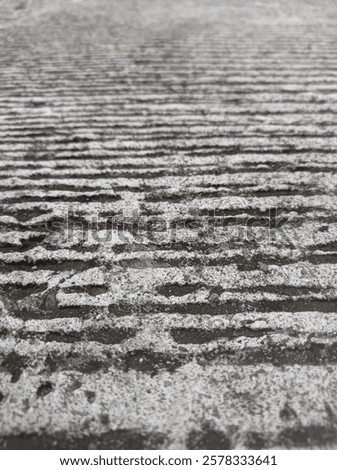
(168, 230)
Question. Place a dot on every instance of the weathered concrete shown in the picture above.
(207, 320)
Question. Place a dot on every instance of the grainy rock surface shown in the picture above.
(168, 243)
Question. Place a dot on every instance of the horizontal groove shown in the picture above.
(232, 307)
(102, 335)
(119, 439)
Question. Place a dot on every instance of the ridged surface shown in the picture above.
(192, 123)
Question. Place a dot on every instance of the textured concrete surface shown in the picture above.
(168, 242)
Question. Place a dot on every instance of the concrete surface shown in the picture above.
(168, 190)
